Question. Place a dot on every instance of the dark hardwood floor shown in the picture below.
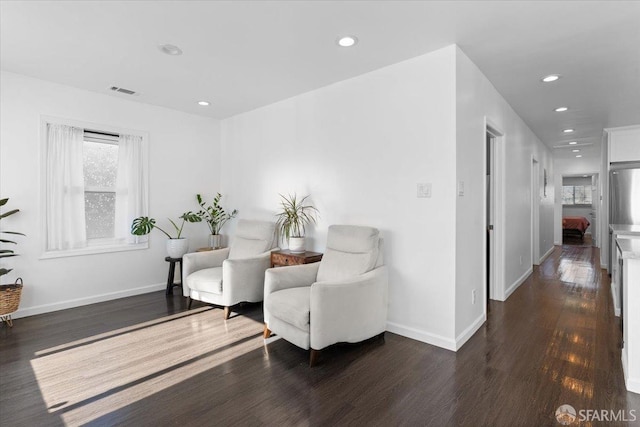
(146, 360)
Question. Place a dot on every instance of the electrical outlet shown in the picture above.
(520, 259)
(424, 189)
(473, 296)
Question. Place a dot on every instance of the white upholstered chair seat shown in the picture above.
(292, 306)
(342, 298)
(231, 275)
(207, 280)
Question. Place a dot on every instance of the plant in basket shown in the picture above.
(9, 294)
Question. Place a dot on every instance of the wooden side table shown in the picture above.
(172, 272)
(286, 257)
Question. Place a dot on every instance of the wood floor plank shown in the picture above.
(147, 360)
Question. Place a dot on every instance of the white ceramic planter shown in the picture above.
(296, 244)
(177, 247)
(215, 241)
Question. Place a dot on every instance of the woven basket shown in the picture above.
(10, 297)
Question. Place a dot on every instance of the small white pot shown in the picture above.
(177, 247)
(296, 244)
(215, 241)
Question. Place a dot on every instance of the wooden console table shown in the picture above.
(286, 257)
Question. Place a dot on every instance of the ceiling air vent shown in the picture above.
(122, 90)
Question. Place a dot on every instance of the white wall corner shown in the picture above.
(423, 336)
(511, 289)
(616, 303)
(472, 329)
(62, 305)
(546, 255)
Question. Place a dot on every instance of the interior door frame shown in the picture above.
(497, 250)
(535, 211)
(599, 237)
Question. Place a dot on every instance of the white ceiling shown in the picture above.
(242, 55)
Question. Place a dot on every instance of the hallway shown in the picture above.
(558, 342)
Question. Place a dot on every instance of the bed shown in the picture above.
(575, 226)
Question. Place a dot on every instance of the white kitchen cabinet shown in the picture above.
(624, 144)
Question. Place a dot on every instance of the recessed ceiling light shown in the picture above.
(579, 155)
(585, 176)
(203, 103)
(575, 151)
(561, 109)
(170, 49)
(568, 130)
(347, 41)
(573, 142)
(551, 78)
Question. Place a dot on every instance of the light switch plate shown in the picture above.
(460, 188)
(424, 189)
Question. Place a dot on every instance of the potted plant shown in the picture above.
(293, 219)
(215, 217)
(176, 246)
(9, 294)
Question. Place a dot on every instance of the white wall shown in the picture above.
(476, 98)
(184, 158)
(359, 147)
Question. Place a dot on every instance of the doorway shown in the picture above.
(494, 213)
(580, 206)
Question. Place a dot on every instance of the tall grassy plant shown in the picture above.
(6, 253)
(295, 216)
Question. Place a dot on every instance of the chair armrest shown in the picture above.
(350, 310)
(195, 261)
(293, 276)
(243, 278)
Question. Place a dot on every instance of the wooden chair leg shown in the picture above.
(266, 333)
(227, 312)
(313, 357)
(189, 306)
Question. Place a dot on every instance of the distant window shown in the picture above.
(576, 195)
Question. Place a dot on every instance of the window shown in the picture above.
(94, 184)
(576, 195)
(100, 166)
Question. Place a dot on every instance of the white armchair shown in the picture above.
(231, 275)
(342, 298)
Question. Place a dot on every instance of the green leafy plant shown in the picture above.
(143, 225)
(214, 214)
(295, 216)
(6, 253)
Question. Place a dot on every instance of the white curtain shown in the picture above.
(65, 188)
(131, 190)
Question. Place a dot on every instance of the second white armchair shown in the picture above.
(342, 298)
(231, 275)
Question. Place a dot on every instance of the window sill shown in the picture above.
(93, 250)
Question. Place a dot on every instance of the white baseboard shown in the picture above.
(557, 243)
(47, 308)
(517, 283)
(632, 384)
(468, 333)
(546, 255)
(423, 336)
